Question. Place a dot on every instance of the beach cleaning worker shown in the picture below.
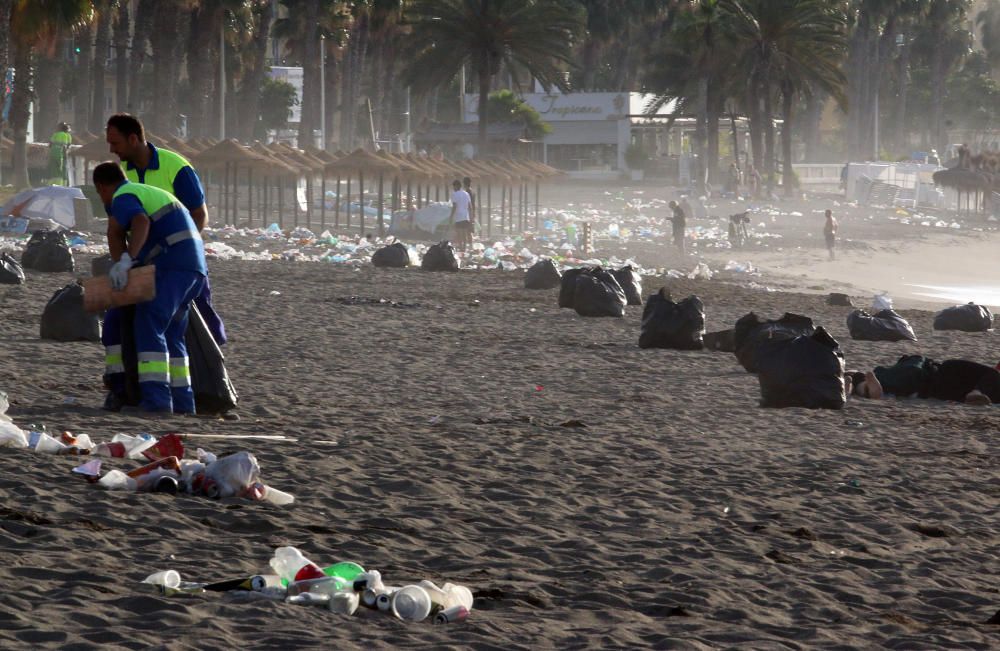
(148, 225)
(167, 170)
(59, 144)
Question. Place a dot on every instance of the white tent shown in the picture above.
(53, 202)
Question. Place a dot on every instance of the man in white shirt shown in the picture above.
(460, 216)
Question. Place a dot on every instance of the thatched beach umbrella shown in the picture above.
(231, 155)
(971, 182)
(362, 162)
(278, 169)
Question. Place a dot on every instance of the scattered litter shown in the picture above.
(700, 272)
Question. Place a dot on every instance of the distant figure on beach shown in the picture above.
(733, 179)
(830, 232)
(753, 181)
(679, 221)
(460, 217)
(957, 380)
(467, 186)
(59, 143)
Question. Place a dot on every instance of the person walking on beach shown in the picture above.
(459, 217)
(830, 232)
(679, 221)
(59, 144)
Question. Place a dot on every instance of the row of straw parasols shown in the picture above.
(268, 171)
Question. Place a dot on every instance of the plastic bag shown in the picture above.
(881, 302)
(48, 251)
(440, 257)
(214, 392)
(631, 283)
(597, 293)
(700, 272)
(12, 436)
(805, 371)
(64, 318)
(542, 275)
(750, 332)
(884, 326)
(395, 256)
(967, 318)
(721, 340)
(567, 286)
(666, 324)
(231, 475)
(11, 272)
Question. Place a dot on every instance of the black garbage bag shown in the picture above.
(666, 324)
(884, 326)
(214, 392)
(599, 294)
(567, 286)
(806, 371)
(48, 251)
(440, 257)
(721, 340)
(11, 272)
(631, 282)
(542, 275)
(101, 265)
(750, 332)
(967, 318)
(64, 318)
(395, 255)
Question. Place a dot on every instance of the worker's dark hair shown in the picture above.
(108, 174)
(127, 125)
(456, 184)
(466, 181)
(63, 126)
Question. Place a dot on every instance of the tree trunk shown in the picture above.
(165, 40)
(249, 93)
(936, 127)
(484, 96)
(19, 111)
(787, 105)
(768, 119)
(310, 74)
(6, 7)
(755, 126)
(815, 102)
(102, 42)
(48, 80)
(122, 58)
(140, 92)
(591, 54)
(84, 87)
(715, 107)
(701, 133)
(858, 50)
(202, 66)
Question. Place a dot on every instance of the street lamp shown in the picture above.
(322, 90)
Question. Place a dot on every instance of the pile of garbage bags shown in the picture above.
(394, 256)
(440, 257)
(542, 275)
(592, 291)
(885, 325)
(631, 284)
(804, 371)
(666, 324)
(967, 318)
(751, 333)
(48, 251)
(342, 588)
(64, 318)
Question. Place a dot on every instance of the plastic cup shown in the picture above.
(49, 445)
(411, 603)
(166, 578)
(459, 594)
(276, 497)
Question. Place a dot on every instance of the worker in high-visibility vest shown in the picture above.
(169, 171)
(147, 225)
(59, 144)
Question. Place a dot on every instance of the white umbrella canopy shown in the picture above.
(53, 202)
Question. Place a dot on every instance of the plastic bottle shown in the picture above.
(168, 578)
(344, 602)
(345, 570)
(411, 603)
(291, 565)
(384, 599)
(323, 585)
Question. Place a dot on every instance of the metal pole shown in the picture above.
(222, 81)
(381, 215)
(322, 90)
(409, 136)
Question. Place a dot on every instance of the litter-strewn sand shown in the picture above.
(592, 494)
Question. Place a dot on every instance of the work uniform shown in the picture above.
(170, 172)
(176, 248)
(59, 144)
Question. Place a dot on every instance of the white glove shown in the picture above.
(119, 271)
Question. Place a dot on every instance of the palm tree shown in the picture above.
(104, 10)
(791, 46)
(535, 35)
(261, 17)
(988, 21)
(123, 26)
(35, 23)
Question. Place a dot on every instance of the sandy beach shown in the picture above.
(591, 494)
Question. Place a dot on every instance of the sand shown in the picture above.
(591, 494)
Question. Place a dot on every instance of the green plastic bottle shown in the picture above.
(345, 570)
